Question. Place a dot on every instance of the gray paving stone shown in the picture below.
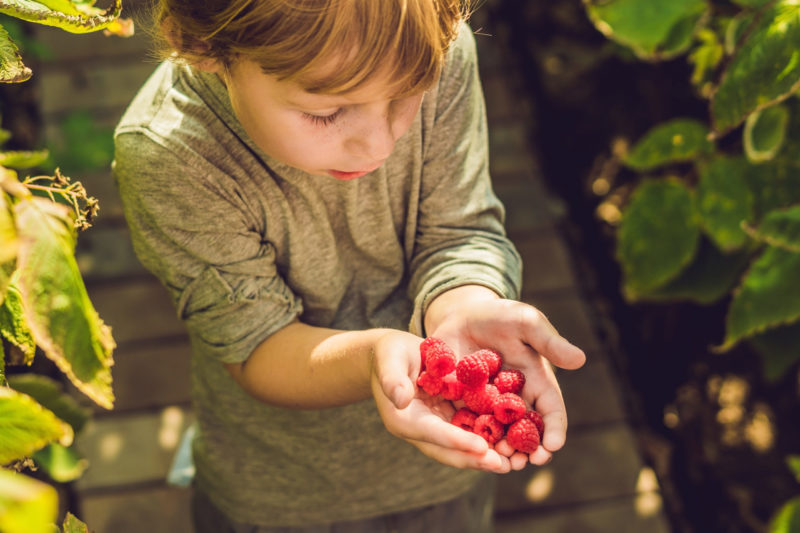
(596, 463)
(136, 310)
(156, 510)
(127, 449)
(634, 514)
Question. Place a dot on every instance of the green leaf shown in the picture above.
(787, 520)
(649, 27)
(709, 277)
(23, 159)
(13, 326)
(706, 56)
(751, 3)
(12, 69)
(793, 462)
(764, 132)
(779, 349)
(725, 201)
(680, 139)
(4, 136)
(73, 525)
(62, 464)
(8, 235)
(26, 505)
(57, 308)
(768, 297)
(774, 184)
(74, 17)
(780, 227)
(658, 235)
(764, 71)
(26, 426)
(50, 394)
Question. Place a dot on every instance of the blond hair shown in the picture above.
(294, 39)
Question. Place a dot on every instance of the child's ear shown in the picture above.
(192, 47)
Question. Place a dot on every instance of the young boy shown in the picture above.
(311, 179)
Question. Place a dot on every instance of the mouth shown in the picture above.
(345, 176)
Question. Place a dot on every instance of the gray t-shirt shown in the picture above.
(245, 245)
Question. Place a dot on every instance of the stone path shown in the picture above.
(597, 483)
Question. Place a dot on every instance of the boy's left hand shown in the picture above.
(470, 318)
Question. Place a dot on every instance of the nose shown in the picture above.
(373, 134)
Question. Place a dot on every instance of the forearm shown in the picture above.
(307, 367)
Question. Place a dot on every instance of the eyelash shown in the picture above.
(323, 121)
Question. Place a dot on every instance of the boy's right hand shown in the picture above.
(418, 418)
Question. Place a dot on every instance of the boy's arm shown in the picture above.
(308, 367)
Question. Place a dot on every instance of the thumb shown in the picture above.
(393, 377)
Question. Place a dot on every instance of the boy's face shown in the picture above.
(344, 136)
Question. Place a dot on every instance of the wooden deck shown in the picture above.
(597, 483)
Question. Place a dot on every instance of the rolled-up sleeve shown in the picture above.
(191, 228)
(460, 237)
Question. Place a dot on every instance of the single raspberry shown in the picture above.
(488, 427)
(509, 407)
(537, 419)
(439, 358)
(481, 399)
(509, 380)
(472, 371)
(429, 383)
(452, 389)
(493, 360)
(523, 436)
(464, 418)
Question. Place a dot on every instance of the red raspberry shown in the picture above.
(493, 360)
(537, 419)
(452, 389)
(523, 436)
(439, 358)
(472, 371)
(464, 418)
(509, 407)
(488, 427)
(509, 380)
(481, 399)
(429, 383)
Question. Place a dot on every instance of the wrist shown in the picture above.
(447, 304)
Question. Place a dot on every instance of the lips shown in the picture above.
(343, 175)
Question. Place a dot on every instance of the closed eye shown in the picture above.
(325, 120)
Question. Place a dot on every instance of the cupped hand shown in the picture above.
(471, 318)
(420, 419)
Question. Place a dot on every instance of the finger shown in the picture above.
(393, 374)
(540, 334)
(518, 461)
(550, 404)
(489, 461)
(540, 456)
(428, 427)
(504, 448)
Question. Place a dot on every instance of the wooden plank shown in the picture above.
(137, 310)
(155, 510)
(130, 448)
(546, 262)
(596, 463)
(632, 514)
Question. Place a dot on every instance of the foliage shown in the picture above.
(44, 305)
(715, 213)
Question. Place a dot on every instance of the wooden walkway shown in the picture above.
(597, 483)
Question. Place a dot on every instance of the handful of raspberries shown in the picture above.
(493, 407)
